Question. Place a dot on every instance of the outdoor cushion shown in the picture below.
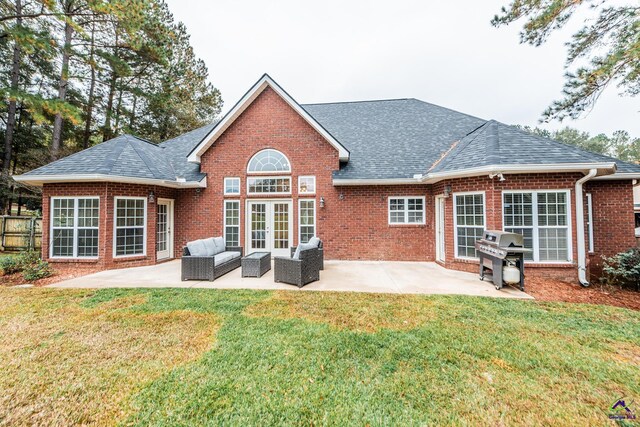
(210, 245)
(223, 257)
(197, 248)
(314, 241)
(303, 247)
(220, 245)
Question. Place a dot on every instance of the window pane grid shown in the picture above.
(307, 220)
(232, 223)
(74, 227)
(130, 227)
(542, 218)
(406, 210)
(469, 210)
(232, 186)
(269, 185)
(307, 185)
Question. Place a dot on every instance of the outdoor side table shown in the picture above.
(256, 264)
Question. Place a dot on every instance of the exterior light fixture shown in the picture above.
(447, 190)
(152, 197)
(341, 196)
(322, 202)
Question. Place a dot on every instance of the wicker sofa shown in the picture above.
(301, 271)
(212, 265)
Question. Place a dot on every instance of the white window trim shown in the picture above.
(534, 207)
(115, 228)
(75, 227)
(224, 215)
(590, 221)
(406, 212)
(280, 193)
(250, 172)
(455, 220)
(224, 185)
(315, 219)
(307, 193)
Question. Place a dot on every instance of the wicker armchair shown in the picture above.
(300, 271)
(204, 268)
(320, 249)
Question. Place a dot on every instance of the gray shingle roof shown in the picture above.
(178, 148)
(393, 138)
(386, 139)
(124, 155)
(495, 143)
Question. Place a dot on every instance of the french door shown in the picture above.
(164, 229)
(269, 225)
(440, 216)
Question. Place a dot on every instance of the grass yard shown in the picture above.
(195, 357)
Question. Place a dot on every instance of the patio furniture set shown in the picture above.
(208, 259)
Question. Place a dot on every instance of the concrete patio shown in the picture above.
(355, 276)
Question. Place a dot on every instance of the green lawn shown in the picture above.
(195, 357)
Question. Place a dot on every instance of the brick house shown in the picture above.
(376, 180)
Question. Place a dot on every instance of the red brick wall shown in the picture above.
(106, 192)
(613, 220)
(354, 220)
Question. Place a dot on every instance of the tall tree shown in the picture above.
(604, 51)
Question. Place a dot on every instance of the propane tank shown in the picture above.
(511, 274)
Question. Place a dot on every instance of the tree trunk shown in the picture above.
(106, 133)
(15, 76)
(62, 91)
(90, 99)
(132, 117)
(11, 114)
(116, 126)
(106, 130)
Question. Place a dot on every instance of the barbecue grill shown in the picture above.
(503, 254)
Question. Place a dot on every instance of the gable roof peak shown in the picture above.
(244, 102)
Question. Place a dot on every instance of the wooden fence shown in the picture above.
(21, 233)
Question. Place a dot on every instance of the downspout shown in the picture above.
(582, 252)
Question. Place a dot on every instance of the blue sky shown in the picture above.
(444, 52)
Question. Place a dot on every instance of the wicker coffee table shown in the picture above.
(256, 264)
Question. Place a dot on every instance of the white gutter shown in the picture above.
(582, 252)
(39, 180)
(431, 178)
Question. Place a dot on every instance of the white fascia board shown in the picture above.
(39, 180)
(244, 102)
(605, 169)
(618, 175)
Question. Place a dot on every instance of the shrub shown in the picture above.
(32, 267)
(10, 264)
(36, 270)
(28, 258)
(623, 268)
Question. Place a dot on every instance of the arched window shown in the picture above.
(269, 161)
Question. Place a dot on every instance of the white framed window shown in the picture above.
(269, 160)
(406, 210)
(544, 219)
(232, 222)
(269, 185)
(306, 185)
(590, 222)
(130, 228)
(469, 223)
(231, 186)
(74, 227)
(306, 219)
